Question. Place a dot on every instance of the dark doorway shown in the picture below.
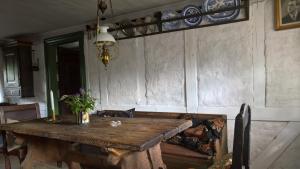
(65, 68)
(68, 60)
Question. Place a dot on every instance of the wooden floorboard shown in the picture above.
(15, 163)
(276, 148)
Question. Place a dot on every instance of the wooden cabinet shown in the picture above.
(18, 74)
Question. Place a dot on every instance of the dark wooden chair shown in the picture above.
(241, 143)
(11, 114)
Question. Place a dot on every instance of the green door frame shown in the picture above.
(51, 45)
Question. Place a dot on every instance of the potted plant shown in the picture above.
(80, 105)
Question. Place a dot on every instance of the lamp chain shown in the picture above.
(111, 8)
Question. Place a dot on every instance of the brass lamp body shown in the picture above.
(105, 56)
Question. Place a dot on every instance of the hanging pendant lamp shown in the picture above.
(103, 37)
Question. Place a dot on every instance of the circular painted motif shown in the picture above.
(170, 25)
(192, 10)
(213, 5)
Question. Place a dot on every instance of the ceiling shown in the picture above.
(19, 17)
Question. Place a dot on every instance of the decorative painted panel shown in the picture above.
(122, 73)
(225, 68)
(164, 57)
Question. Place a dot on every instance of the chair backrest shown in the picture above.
(16, 113)
(241, 141)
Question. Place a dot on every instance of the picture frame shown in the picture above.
(287, 14)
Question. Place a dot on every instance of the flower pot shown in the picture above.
(82, 118)
(85, 118)
(79, 118)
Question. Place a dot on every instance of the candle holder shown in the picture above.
(53, 116)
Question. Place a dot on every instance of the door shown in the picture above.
(11, 67)
(68, 62)
(58, 62)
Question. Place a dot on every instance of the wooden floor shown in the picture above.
(14, 163)
(289, 159)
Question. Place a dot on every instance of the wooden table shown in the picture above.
(136, 141)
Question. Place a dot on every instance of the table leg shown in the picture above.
(73, 165)
(149, 159)
(155, 157)
(46, 151)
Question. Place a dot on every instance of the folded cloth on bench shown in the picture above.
(224, 163)
(201, 136)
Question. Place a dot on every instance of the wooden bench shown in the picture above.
(177, 157)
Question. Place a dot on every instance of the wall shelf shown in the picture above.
(119, 28)
(244, 7)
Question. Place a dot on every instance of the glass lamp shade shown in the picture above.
(104, 38)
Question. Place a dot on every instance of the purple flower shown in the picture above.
(82, 91)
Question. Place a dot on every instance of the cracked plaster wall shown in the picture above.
(122, 79)
(225, 69)
(152, 71)
(164, 56)
(283, 64)
(224, 60)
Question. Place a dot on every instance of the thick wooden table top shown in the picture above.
(136, 134)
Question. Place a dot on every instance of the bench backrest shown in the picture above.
(221, 147)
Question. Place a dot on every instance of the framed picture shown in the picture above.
(287, 14)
